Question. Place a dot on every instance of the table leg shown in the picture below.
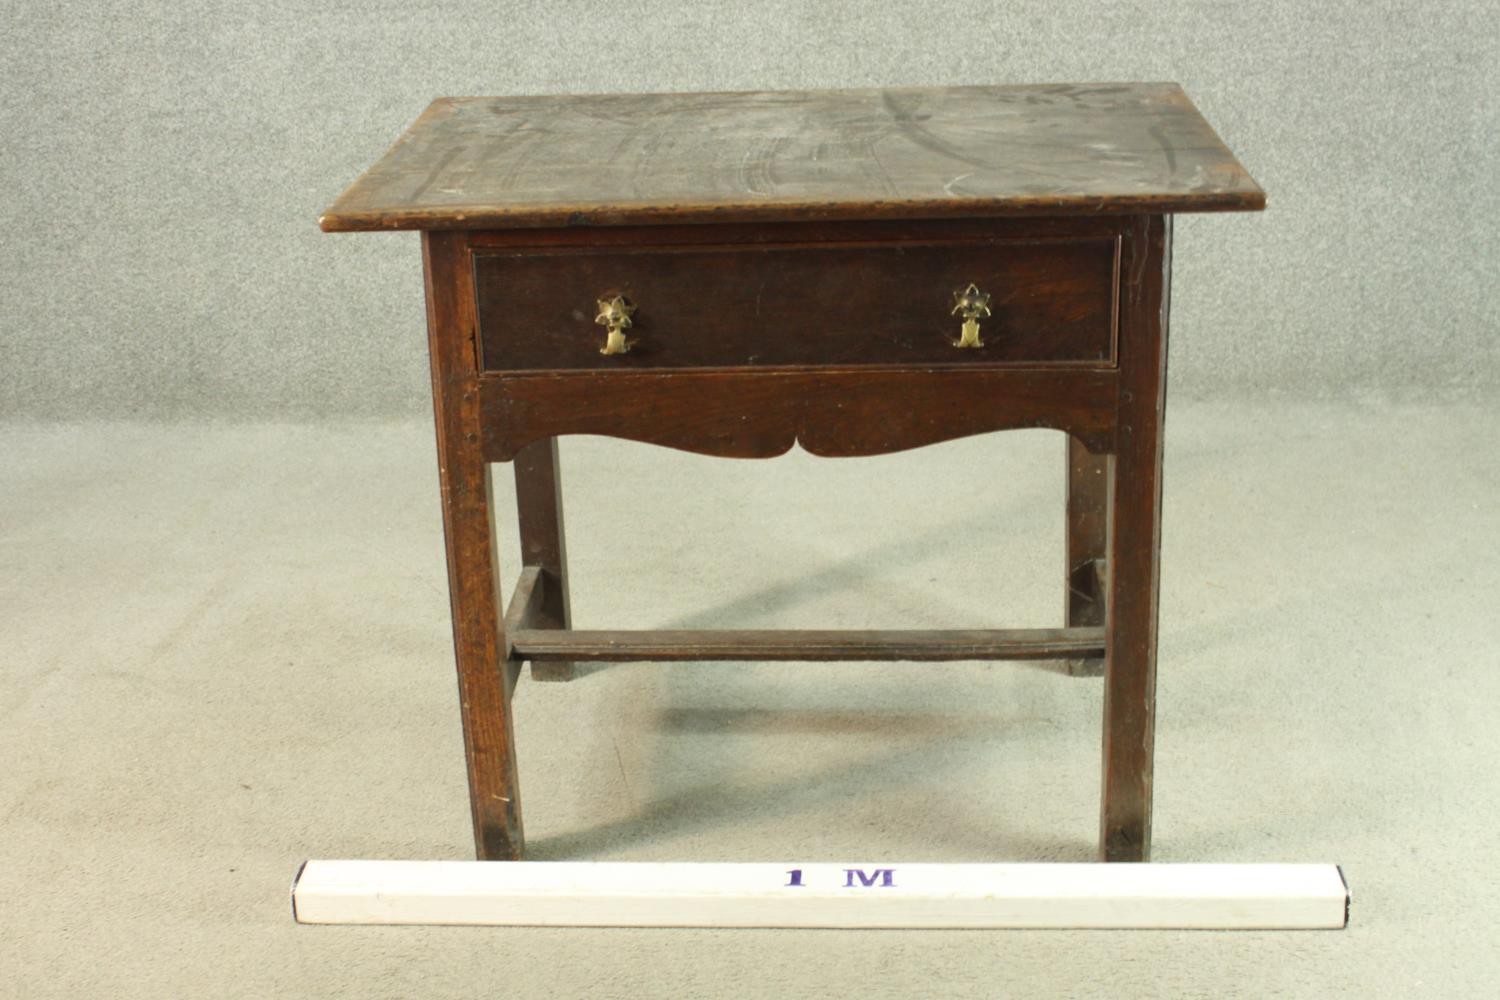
(539, 506)
(1134, 544)
(1088, 508)
(473, 566)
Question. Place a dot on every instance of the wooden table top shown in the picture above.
(904, 153)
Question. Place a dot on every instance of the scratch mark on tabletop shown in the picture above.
(1166, 147)
(948, 188)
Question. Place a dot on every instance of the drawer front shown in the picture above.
(1050, 302)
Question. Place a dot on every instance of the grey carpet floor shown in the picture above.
(226, 649)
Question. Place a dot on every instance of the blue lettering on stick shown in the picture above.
(880, 876)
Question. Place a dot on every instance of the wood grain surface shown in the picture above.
(810, 645)
(762, 414)
(1052, 302)
(1133, 555)
(506, 162)
(539, 513)
(1087, 546)
(464, 477)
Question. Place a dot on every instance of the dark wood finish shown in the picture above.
(539, 511)
(1134, 545)
(919, 232)
(524, 606)
(811, 645)
(473, 566)
(950, 152)
(521, 613)
(761, 414)
(1088, 524)
(830, 304)
(793, 257)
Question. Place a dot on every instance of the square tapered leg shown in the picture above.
(1088, 509)
(1134, 542)
(473, 566)
(539, 508)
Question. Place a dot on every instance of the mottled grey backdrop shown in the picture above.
(163, 165)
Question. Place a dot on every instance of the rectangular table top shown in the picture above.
(893, 153)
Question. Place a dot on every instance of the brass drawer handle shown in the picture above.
(972, 305)
(614, 316)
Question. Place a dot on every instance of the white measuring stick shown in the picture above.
(873, 894)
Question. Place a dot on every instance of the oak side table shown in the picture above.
(856, 272)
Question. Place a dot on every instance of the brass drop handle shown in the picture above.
(614, 316)
(971, 305)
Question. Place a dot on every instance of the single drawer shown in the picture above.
(1050, 301)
